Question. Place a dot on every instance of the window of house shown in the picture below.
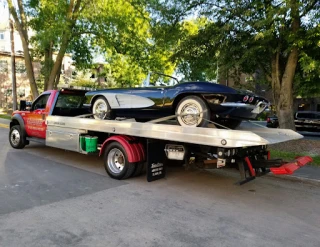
(3, 66)
(20, 67)
(1, 35)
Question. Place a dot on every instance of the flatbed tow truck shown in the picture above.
(59, 118)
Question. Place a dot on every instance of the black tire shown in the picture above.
(139, 169)
(117, 169)
(193, 104)
(229, 123)
(102, 102)
(16, 138)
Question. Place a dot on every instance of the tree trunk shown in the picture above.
(57, 65)
(56, 82)
(13, 68)
(29, 67)
(23, 32)
(275, 78)
(48, 62)
(285, 104)
(282, 85)
(72, 15)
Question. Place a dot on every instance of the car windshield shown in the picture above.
(155, 79)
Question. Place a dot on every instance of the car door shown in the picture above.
(35, 119)
(155, 94)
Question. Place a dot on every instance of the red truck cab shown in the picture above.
(35, 119)
(32, 123)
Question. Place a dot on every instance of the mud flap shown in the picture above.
(156, 165)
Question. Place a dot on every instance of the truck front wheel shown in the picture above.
(16, 138)
(116, 162)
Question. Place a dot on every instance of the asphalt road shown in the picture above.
(51, 197)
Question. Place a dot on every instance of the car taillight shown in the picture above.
(251, 99)
(268, 119)
(245, 98)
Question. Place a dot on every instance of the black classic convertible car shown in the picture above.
(193, 103)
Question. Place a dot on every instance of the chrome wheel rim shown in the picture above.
(101, 109)
(116, 160)
(15, 137)
(190, 114)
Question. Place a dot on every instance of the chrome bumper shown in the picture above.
(256, 109)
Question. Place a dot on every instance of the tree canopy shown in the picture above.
(118, 29)
(278, 39)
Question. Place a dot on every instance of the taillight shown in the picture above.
(245, 98)
(268, 119)
(251, 99)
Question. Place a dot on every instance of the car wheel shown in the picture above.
(229, 123)
(116, 162)
(16, 138)
(101, 108)
(196, 106)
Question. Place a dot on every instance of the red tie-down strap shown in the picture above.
(291, 167)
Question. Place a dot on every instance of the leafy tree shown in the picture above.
(21, 22)
(82, 27)
(278, 38)
(129, 47)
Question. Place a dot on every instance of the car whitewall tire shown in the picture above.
(193, 112)
(101, 108)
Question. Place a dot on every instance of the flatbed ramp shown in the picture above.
(204, 136)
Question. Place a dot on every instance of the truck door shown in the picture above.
(35, 119)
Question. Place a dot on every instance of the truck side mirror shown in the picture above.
(25, 105)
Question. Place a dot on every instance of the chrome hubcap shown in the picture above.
(15, 137)
(116, 160)
(101, 110)
(190, 114)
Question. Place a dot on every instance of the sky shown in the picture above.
(4, 12)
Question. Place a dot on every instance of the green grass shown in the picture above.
(289, 156)
(5, 116)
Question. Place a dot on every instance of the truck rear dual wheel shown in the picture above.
(117, 165)
(16, 139)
